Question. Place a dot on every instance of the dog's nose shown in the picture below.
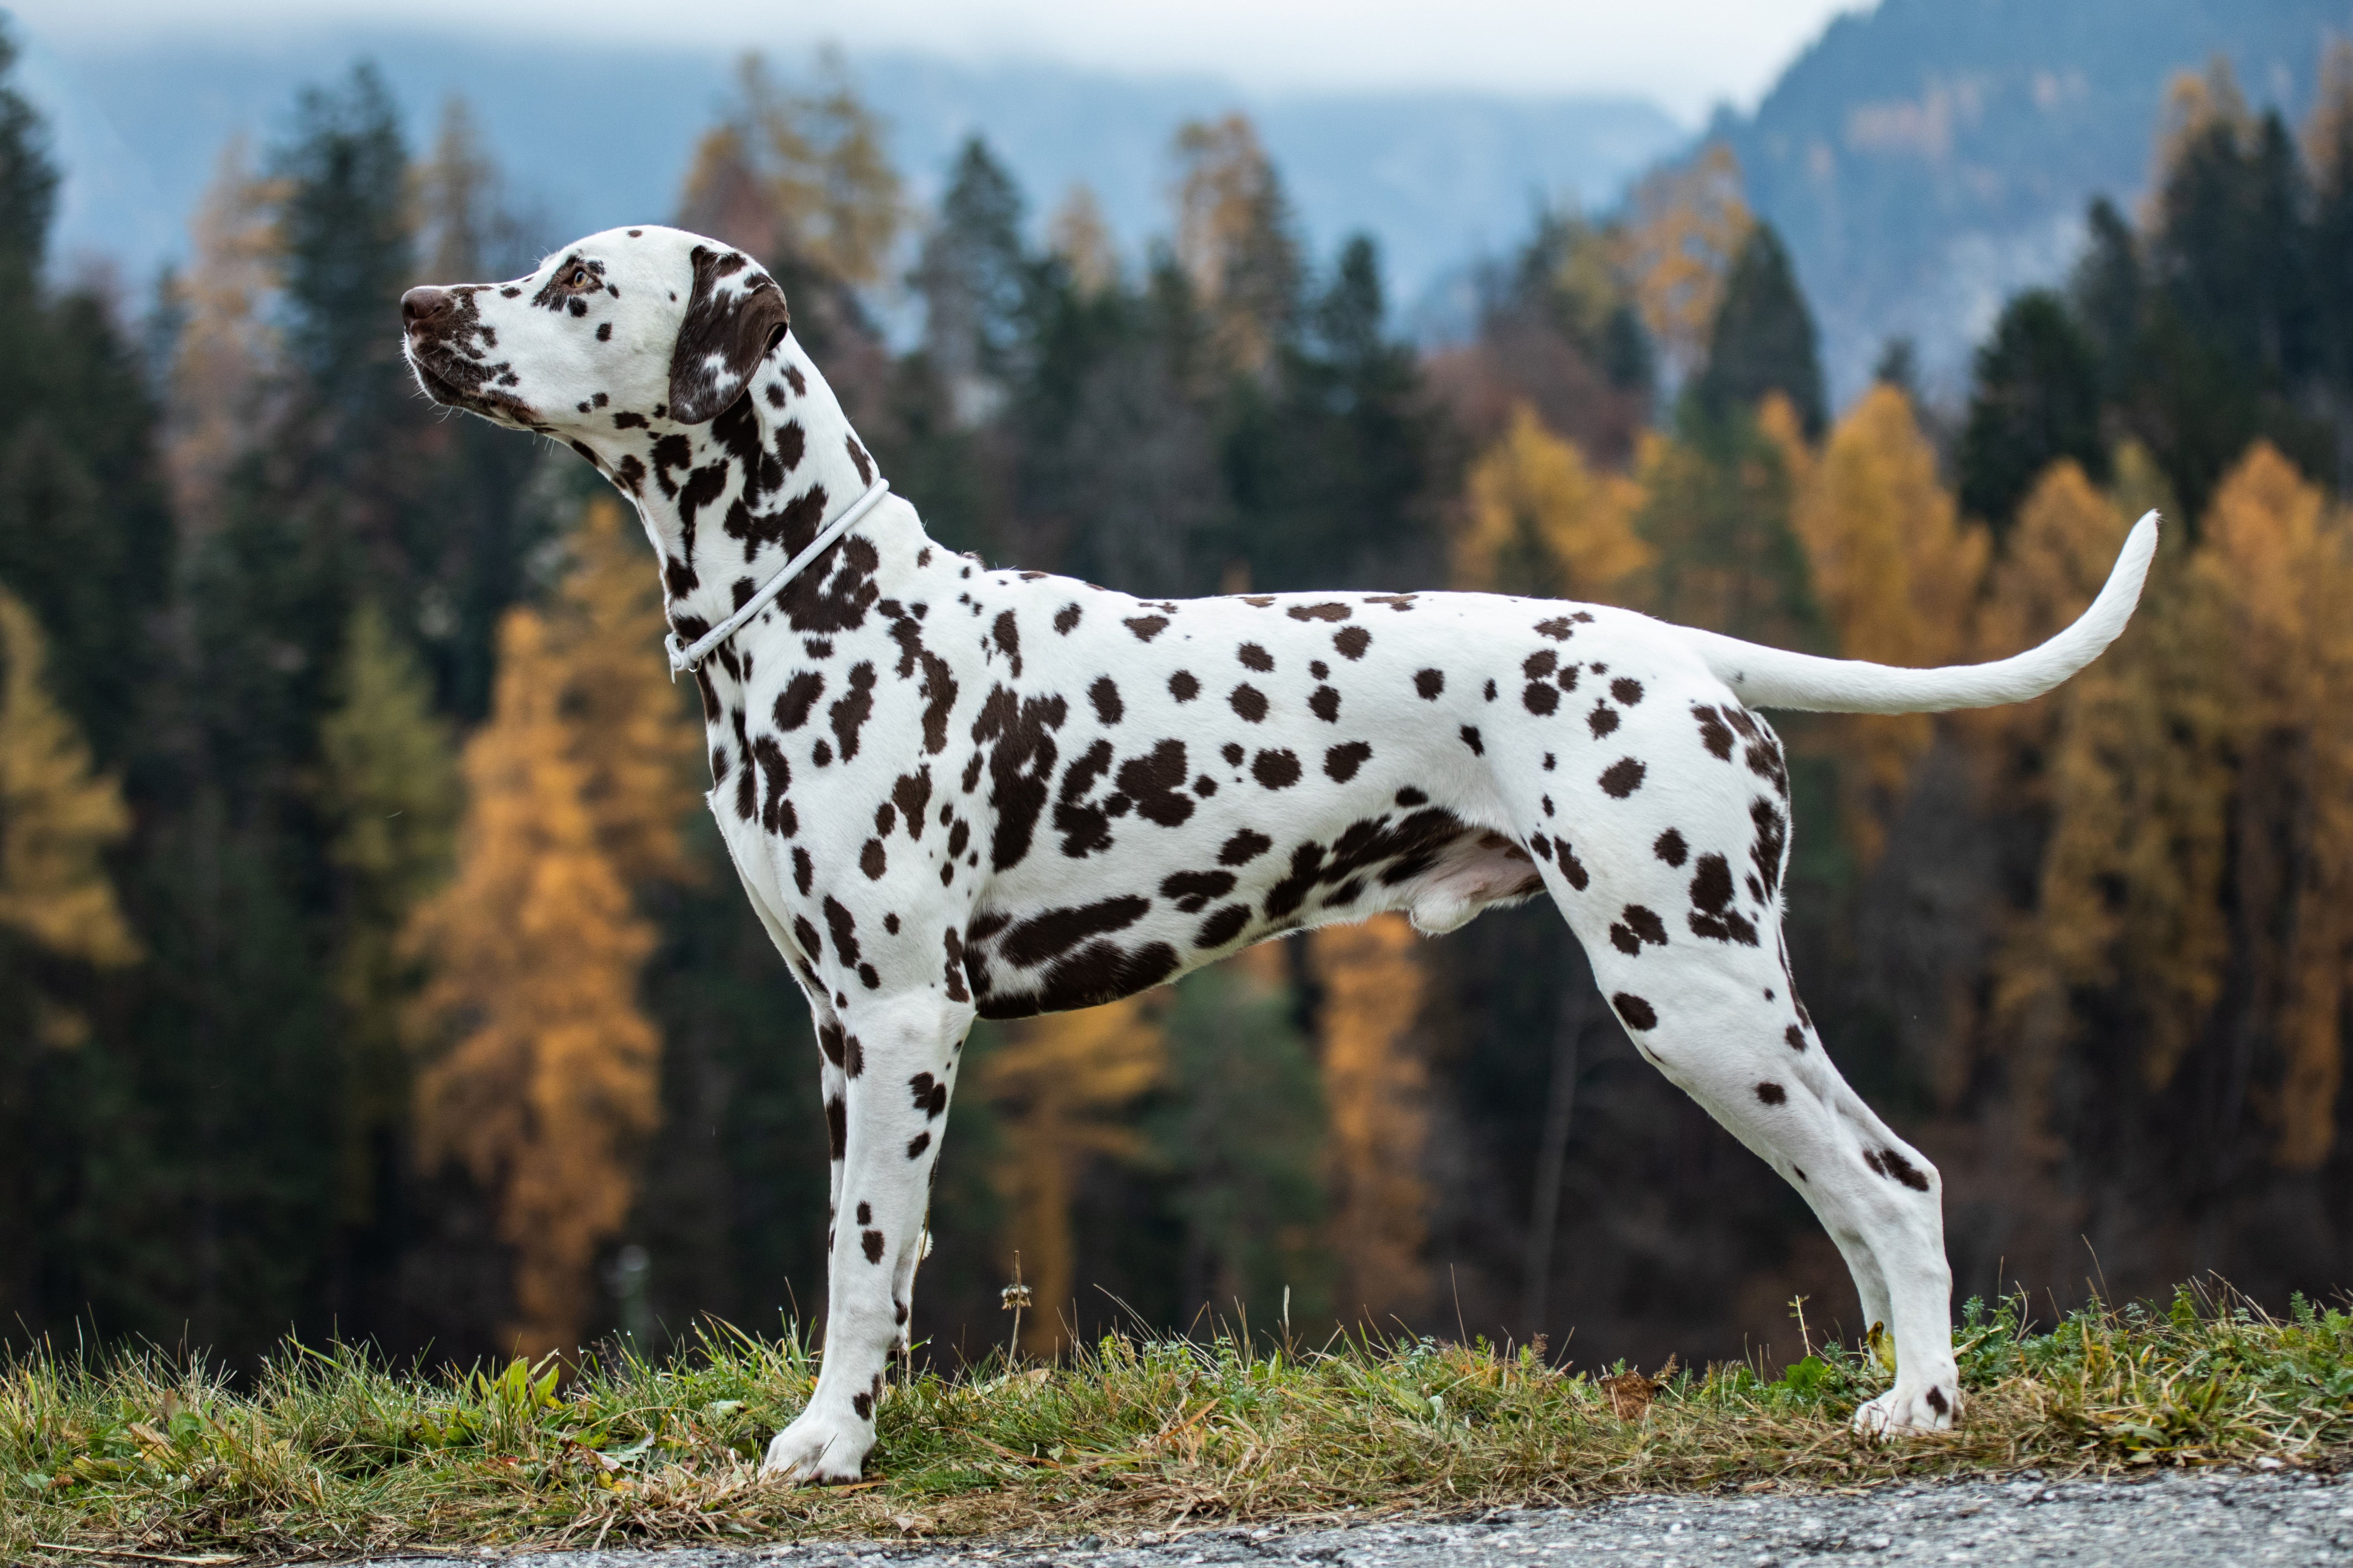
(424, 307)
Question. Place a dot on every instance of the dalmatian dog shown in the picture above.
(957, 793)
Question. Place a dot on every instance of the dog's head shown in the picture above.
(631, 328)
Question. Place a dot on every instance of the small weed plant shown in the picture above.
(331, 1452)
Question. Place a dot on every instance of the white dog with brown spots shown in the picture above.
(954, 792)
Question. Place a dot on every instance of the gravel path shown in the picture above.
(2221, 1518)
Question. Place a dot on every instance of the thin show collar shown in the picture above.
(683, 656)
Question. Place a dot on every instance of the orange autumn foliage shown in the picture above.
(1060, 1084)
(1896, 574)
(1542, 520)
(2279, 555)
(541, 1075)
(1376, 1093)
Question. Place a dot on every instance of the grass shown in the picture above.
(331, 1453)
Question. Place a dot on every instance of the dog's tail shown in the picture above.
(1770, 678)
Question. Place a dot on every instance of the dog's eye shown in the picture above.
(579, 277)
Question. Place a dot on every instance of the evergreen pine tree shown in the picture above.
(974, 278)
(2036, 401)
(1763, 339)
(1243, 1137)
(389, 791)
(1235, 241)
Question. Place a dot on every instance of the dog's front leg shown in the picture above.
(898, 1056)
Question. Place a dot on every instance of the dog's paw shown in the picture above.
(1901, 1411)
(817, 1451)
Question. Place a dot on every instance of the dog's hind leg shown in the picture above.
(897, 1065)
(1719, 1020)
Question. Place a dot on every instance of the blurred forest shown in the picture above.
(369, 966)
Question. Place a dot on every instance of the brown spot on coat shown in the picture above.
(1243, 847)
(1104, 695)
(1341, 762)
(1275, 769)
(1623, 777)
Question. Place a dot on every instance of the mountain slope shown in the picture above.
(1926, 159)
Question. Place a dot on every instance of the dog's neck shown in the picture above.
(727, 504)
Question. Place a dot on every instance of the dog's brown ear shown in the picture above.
(735, 317)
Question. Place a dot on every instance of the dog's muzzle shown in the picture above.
(455, 379)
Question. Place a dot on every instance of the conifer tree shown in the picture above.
(1896, 576)
(1080, 238)
(1540, 522)
(1242, 1133)
(1234, 240)
(540, 1071)
(2058, 555)
(1376, 1094)
(1686, 224)
(799, 176)
(2282, 556)
(226, 344)
(1059, 1086)
(344, 223)
(1717, 511)
(389, 791)
(636, 737)
(57, 815)
(1763, 338)
(2036, 402)
(973, 277)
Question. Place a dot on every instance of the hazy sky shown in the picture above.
(1686, 54)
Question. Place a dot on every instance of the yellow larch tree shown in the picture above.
(1539, 520)
(582, 780)
(226, 343)
(2058, 553)
(1080, 236)
(1059, 1084)
(544, 1080)
(1685, 223)
(2281, 556)
(799, 172)
(1896, 576)
(636, 737)
(2052, 566)
(57, 816)
(1233, 238)
(1376, 1092)
(2131, 765)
